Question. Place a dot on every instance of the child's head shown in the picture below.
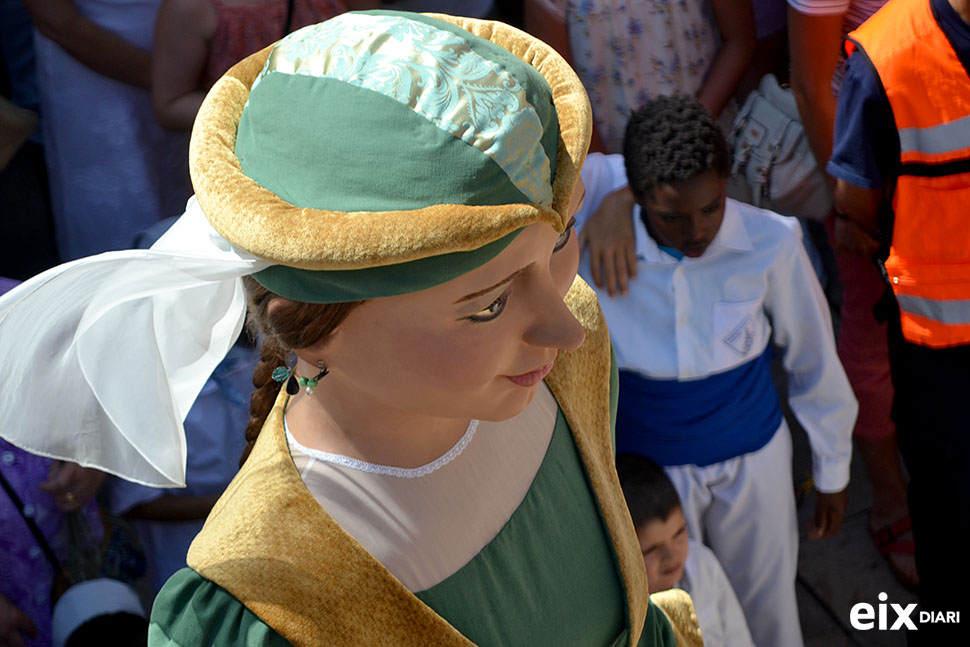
(677, 161)
(658, 518)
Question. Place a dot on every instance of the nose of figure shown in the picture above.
(553, 326)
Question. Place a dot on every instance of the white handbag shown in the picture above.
(773, 166)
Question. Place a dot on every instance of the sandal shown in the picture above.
(888, 543)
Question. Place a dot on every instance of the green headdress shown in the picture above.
(380, 153)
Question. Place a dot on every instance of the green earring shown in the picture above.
(294, 381)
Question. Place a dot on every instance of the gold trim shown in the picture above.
(583, 378)
(679, 609)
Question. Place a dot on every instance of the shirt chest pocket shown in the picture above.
(736, 331)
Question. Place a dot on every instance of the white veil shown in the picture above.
(101, 358)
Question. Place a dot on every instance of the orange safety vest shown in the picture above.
(929, 93)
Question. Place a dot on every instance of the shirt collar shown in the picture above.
(732, 235)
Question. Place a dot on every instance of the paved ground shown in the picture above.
(838, 572)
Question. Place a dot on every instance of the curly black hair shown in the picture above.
(671, 139)
(649, 492)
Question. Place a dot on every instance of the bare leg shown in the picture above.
(889, 502)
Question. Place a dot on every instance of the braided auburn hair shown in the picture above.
(287, 326)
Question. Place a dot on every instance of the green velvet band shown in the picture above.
(341, 286)
(405, 163)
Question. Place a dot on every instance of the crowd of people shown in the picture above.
(427, 432)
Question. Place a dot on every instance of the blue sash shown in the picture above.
(699, 422)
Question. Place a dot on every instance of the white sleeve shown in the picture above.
(733, 625)
(818, 390)
(718, 611)
(820, 7)
(601, 174)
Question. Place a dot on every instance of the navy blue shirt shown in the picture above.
(866, 147)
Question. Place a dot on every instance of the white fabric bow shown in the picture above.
(101, 358)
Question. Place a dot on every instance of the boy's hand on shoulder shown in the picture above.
(609, 236)
(829, 512)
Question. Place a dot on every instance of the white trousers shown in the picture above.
(744, 509)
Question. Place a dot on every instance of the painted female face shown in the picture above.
(475, 347)
(686, 215)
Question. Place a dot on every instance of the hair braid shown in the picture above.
(271, 355)
(287, 326)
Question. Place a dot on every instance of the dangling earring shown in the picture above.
(309, 383)
(294, 381)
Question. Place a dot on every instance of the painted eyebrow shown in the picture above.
(478, 293)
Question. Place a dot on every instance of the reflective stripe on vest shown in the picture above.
(950, 137)
(954, 311)
(929, 92)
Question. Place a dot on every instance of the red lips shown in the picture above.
(532, 377)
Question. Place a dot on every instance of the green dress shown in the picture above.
(501, 597)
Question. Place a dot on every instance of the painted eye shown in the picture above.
(564, 237)
(493, 310)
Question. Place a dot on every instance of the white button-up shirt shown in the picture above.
(691, 318)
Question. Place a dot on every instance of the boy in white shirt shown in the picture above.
(672, 559)
(718, 283)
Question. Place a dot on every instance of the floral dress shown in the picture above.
(626, 52)
(26, 577)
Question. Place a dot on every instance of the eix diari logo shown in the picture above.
(864, 616)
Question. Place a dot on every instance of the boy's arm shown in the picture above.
(818, 390)
(610, 240)
(605, 224)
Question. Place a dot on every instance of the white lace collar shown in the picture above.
(386, 470)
